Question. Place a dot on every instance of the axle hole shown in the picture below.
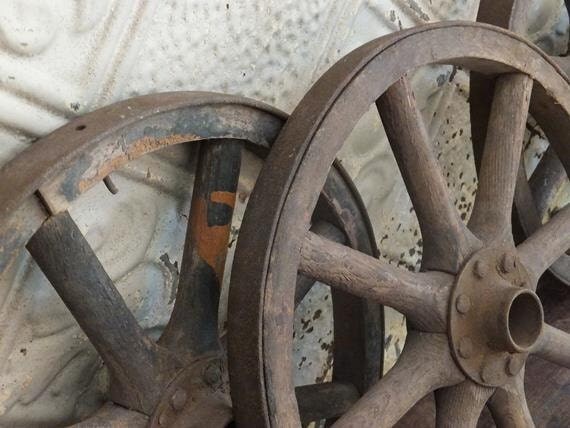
(525, 320)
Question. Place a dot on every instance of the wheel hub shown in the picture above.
(494, 317)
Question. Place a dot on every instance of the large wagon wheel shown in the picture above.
(473, 314)
(181, 380)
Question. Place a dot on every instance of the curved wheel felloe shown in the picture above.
(181, 380)
(472, 311)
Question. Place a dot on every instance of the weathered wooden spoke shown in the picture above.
(461, 404)
(364, 276)
(547, 244)
(135, 363)
(193, 325)
(446, 240)
(509, 407)
(491, 217)
(511, 14)
(524, 200)
(325, 400)
(554, 346)
(327, 231)
(386, 402)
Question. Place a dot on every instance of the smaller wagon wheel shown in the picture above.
(473, 314)
(181, 380)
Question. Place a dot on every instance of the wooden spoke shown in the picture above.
(510, 14)
(447, 241)
(491, 217)
(325, 400)
(530, 219)
(554, 346)
(328, 231)
(546, 245)
(406, 383)
(421, 297)
(69, 263)
(509, 407)
(193, 325)
(461, 405)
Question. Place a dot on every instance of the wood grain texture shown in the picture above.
(135, 363)
(509, 407)
(554, 346)
(386, 402)
(491, 217)
(546, 245)
(421, 296)
(446, 240)
(461, 405)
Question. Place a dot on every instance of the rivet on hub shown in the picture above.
(480, 269)
(508, 263)
(465, 348)
(212, 375)
(488, 373)
(163, 418)
(178, 399)
(463, 304)
(514, 364)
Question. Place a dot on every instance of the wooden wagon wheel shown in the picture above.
(473, 314)
(181, 380)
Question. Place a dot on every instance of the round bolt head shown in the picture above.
(465, 348)
(163, 418)
(514, 364)
(178, 399)
(489, 373)
(508, 263)
(212, 375)
(463, 304)
(480, 269)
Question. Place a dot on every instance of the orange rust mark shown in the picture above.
(227, 198)
(211, 242)
(116, 158)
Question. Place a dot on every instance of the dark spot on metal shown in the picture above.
(219, 214)
(73, 176)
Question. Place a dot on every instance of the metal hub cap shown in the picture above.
(494, 317)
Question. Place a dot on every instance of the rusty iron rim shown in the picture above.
(280, 242)
(183, 378)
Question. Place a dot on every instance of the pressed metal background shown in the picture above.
(62, 58)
